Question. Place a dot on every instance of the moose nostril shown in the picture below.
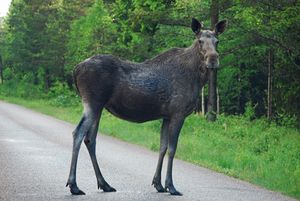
(214, 56)
(211, 57)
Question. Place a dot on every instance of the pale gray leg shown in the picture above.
(163, 149)
(90, 142)
(78, 135)
(173, 133)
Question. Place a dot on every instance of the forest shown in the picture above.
(42, 40)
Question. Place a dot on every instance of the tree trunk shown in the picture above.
(270, 83)
(218, 101)
(270, 74)
(212, 73)
(212, 95)
(202, 101)
(47, 80)
(1, 70)
(1, 75)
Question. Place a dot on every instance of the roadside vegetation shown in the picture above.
(256, 150)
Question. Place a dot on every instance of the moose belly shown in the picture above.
(137, 105)
(135, 113)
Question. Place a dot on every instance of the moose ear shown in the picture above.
(220, 27)
(196, 26)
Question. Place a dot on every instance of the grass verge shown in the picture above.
(256, 151)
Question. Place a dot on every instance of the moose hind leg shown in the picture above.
(90, 142)
(173, 133)
(78, 135)
(163, 149)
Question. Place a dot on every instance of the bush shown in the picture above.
(61, 96)
(22, 88)
(249, 111)
(286, 120)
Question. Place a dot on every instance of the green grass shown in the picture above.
(256, 151)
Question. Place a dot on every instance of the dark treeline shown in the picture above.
(42, 40)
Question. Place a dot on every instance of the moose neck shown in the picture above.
(193, 59)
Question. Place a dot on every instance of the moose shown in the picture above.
(165, 87)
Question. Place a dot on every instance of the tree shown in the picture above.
(212, 73)
(90, 34)
(265, 25)
(27, 37)
(1, 70)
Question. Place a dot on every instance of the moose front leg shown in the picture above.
(173, 134)
(163, 149)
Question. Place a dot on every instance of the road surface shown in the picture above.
(35, 154)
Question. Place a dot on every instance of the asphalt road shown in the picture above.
(35, 154)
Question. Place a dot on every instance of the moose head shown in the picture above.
(208, 41)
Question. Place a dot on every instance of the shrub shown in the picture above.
(249, 111)
(61, 96)
(286, 120)
(22, 87)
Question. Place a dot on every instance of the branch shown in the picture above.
(288, 50)
(165, 17)
(171, 22)
(234, 49)
(271, 40)
(266, 39)
(278, 7)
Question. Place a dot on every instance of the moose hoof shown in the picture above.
(159, 188)
(75, 190)
(107, 188)
(173, 191)
(176, 193)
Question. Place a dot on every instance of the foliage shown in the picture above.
(21, 87)
(249, 111)
(59, 95)
(90, 35)
(286, 120)
(255, 29)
